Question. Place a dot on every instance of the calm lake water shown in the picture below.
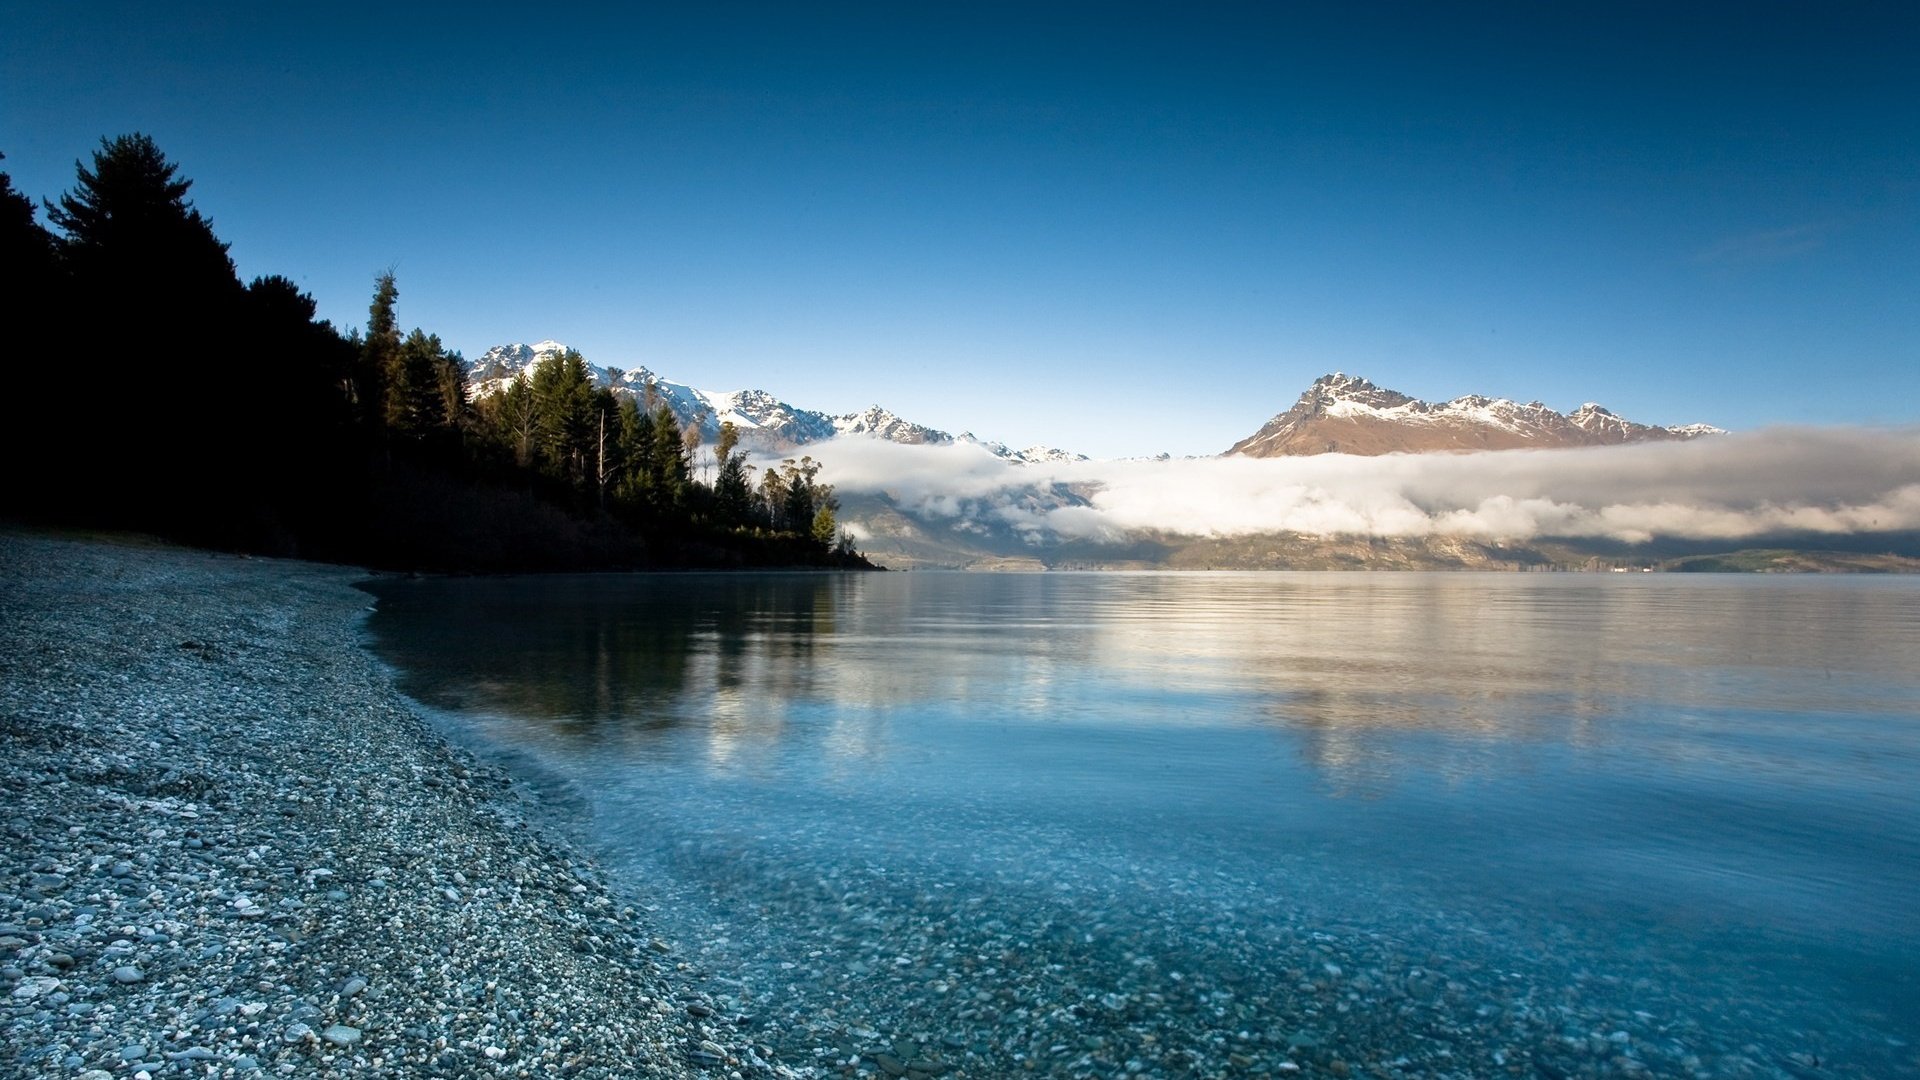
(1235, 824)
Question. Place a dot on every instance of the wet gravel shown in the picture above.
(1086, 963)
(229, 848)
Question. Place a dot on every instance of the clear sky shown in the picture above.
(1117, 228)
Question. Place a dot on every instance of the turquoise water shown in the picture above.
(1227, 824)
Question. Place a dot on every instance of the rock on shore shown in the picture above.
(229, 848)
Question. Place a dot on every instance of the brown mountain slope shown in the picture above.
(1342, 414)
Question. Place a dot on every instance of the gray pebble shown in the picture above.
(341, 1035)
(128, 973)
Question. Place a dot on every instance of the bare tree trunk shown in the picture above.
(601, 471)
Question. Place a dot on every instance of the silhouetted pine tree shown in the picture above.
(131, 233)
(152, 284)
(26, 248)
(310, 455)
(35, 294)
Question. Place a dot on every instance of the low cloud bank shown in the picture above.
(1816, 480)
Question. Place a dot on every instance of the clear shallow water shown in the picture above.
(1231, 824)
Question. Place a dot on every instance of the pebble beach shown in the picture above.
(229, 848)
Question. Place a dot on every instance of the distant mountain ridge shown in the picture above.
(1345, 414)
(1338, 414)
(765, 422)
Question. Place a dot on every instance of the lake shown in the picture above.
(1234, 824)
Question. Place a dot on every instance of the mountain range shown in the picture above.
(765, 423)
(1338, 414)
(1342, 414)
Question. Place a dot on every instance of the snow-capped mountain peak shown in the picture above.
(1346, 414)
(885, 424)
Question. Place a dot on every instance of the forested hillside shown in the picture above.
(153, 390)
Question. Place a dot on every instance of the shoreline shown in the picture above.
(231, 847)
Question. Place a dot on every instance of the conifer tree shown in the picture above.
(416, 401)
(304, 364)
(825, 528)
(128, 225)
(563, 407)
(518, 420)
(456, 410)
(635, 442)
(34, 289)
(143, 265)
(732, 485)
(667, 459)
(379, 353)
(796, 516)
(26, 248)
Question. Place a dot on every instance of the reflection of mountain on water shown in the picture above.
(1427, 673)
(1369, 677)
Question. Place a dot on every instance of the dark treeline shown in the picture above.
(155, 391)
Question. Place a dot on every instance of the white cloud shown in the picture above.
(1826, 480)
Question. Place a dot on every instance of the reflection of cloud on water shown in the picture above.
(737, 723)
(1370, 678)
(1375, 677)
(1358, 670)
(853, 741)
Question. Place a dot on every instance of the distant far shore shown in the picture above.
(1897, 554)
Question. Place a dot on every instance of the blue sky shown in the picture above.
(1117, 228)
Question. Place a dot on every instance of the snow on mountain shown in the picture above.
(1344, 414)
(1694, 431)
(1032, 455)
(765, 422)
(884, 424)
